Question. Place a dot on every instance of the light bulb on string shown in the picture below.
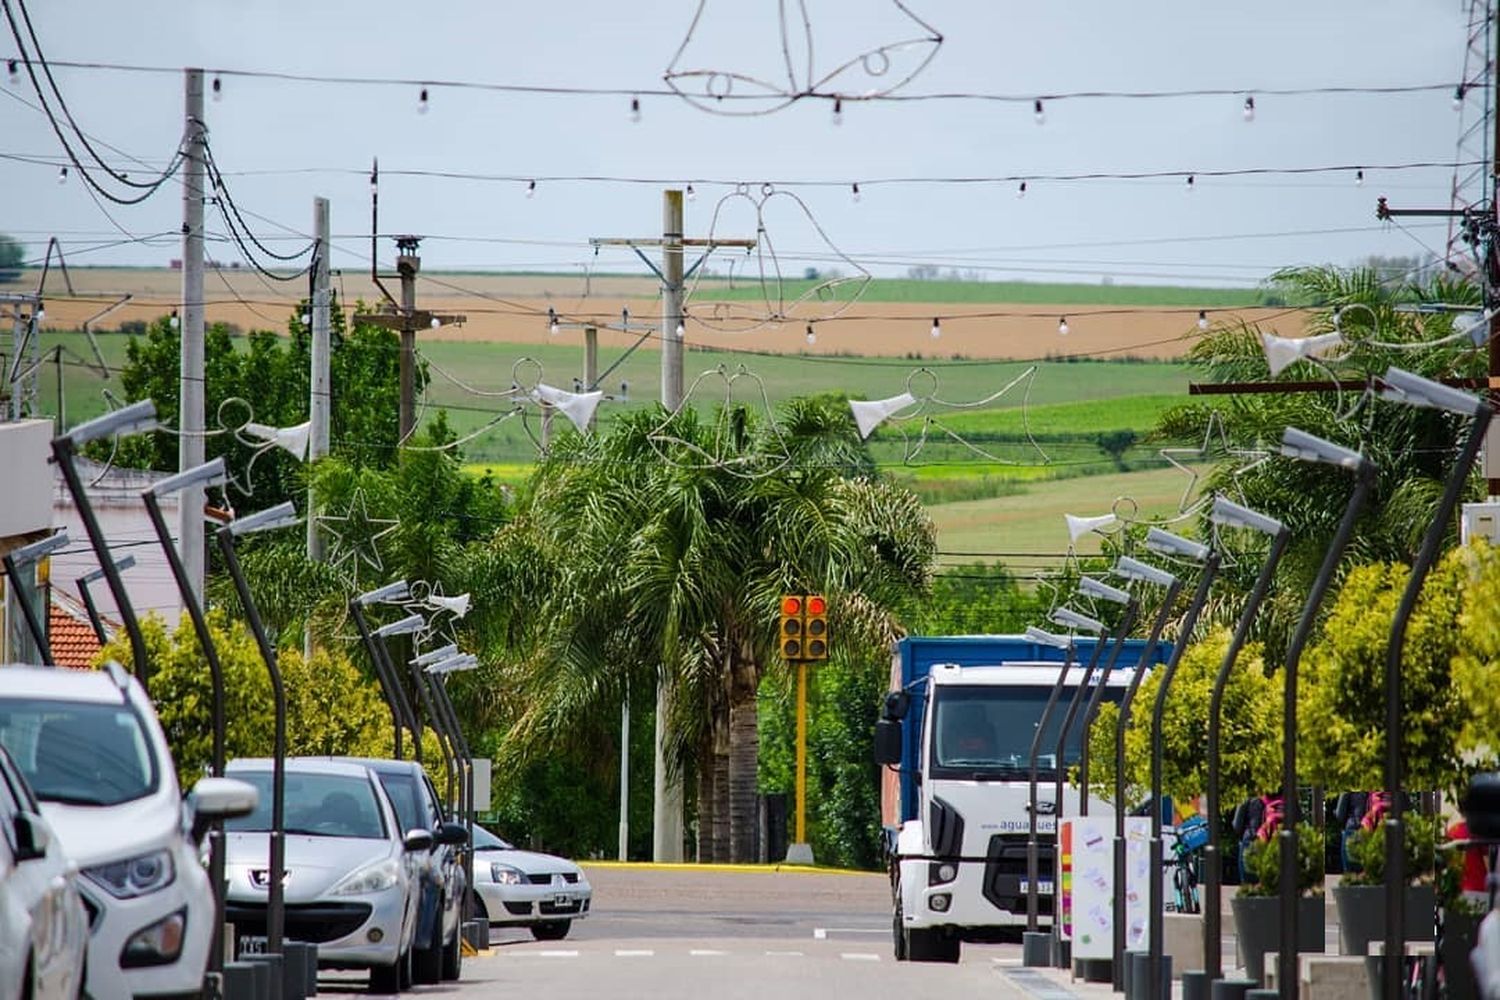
(551, 321)
(435, 323)
(691, 194)
(812, 338)
(625, 318)
(218, 89)
(635, 109)
(422, 102)
(1249, 109)
(531, 189)
(1038, 113)
(1202, 319)
(41, 315)
(1359, 178)
(307, 319)
(838, 111)
(1062, 326)
(62, 175)
(1021, 191)
(374, 181)
(174, 320)
(681, 330)
(1190, 183)
(854, 192)
(1458, 97)
(13, 70)
(937, 328)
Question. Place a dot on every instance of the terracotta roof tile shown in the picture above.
(72, 639)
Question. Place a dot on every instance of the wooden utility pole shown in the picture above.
(319, 404)
(190, 538)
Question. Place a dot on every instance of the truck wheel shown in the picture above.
(931, 946)
(898, 936)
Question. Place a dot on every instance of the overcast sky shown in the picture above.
(282, 143)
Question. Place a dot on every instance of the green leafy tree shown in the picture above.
(12, 257)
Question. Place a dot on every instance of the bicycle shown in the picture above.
(1186, 861)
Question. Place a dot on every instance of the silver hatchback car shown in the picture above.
(352, 879)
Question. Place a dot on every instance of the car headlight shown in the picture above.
(371, 878)
(505, 874)
(137, 876)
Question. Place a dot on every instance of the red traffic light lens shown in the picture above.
(791, 605)
(816, 605)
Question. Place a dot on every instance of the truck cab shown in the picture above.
(959, 725)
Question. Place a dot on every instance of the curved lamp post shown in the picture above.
(94, 576)
(461, 661)
(133, 419)
(1302, 445)
(1230, 515)
(1133, 569)
(434, 714)
(1404, 387)
(1068, 618)
(1063, 642)
(409, 625)
(1103, 591)
(281, 516)
(28, 556)
(391, 593)
(1169, 544)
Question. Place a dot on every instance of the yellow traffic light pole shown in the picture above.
(804, 637)
(801, 752)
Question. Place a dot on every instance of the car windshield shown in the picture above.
(988, 729)
(79, 752)
(486, 841)
(317, 805)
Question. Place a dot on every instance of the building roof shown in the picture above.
(70, 635)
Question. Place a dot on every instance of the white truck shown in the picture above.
(956, 734)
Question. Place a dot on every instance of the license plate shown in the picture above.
(561, 899)
(251, 944)
(1043, 888)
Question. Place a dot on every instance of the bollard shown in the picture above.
(1062, 953)
(272, 963)
(312, 969)
(244, 981)
(477, 933)
(1036, 949)
(1231, 989)
(1092, 970)
(1262, 995)
(1135, 975)
(294, 971)
(1195, 985)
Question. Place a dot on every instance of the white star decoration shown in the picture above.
(356, 534)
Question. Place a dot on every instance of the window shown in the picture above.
(79, 752)
(317, 805)
(414, 811)
(986, 731)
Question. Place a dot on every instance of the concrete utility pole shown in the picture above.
(190, 538)
(319, 404)
(666, 837)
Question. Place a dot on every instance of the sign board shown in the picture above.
(1086, 875)
(481, 766)
(25, 447)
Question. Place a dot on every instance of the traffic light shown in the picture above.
(815, 626)
(791, 627)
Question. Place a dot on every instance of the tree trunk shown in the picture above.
(744, 746)
(721, 849)
(706, 801)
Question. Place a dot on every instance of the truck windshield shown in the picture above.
(986, 731)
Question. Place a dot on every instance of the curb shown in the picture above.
(685, 866)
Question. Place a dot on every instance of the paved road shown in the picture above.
(688, 935)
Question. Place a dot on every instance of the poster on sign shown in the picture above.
(1085, 876)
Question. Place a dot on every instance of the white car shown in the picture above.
(519, 888)
(90, 747)
(44, 933)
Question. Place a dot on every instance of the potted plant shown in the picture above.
(1257, 906)
(1360, 895)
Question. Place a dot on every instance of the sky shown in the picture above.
(280, 143)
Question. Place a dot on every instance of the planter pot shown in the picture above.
(1361, 911)
(1257, 926)
(1460, 935)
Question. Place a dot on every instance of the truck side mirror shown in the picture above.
(896, 704)
(887, 742)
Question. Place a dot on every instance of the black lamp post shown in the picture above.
(1230, 515)
(391, 593)
(462, 661)
(202, 475)
(1132, 569)
(1103, 591)
(1299, 444)
(93, 576)
(1402, 386)
(26, 557)
(404, 626)
(419, 678)
(1172, 545)
(1063, 642)
(280, 516)
(132, 419)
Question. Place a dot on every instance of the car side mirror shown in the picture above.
(220, 798)
(896, 705)
(417, 841)
(453, 835)
(1481, 805)
(887, 742)
(32, 837)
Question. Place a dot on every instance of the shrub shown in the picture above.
(1263, 862)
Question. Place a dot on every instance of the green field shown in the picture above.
(1016, 292)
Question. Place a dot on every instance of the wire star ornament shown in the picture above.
(356, 536)
(1216, 446)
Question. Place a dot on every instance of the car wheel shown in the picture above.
(552, 930)
(427, 963)
(453, 954)
(404, 966)
(898, 935)
(385, 978)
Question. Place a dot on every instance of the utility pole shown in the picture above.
(319, 404)
(672, 326)
(190, 540)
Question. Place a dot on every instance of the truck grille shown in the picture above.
(1005, 870)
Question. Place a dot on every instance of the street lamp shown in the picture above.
(1301, 445)
(1094, 588)
(453, 664)
(203, 476)
(281, 516)
(1063, 642)
(385, 673)
(132, 419)
(1168, 544)
(439, 724)
(93, 576)
(1134, 570)
(1230, 515)
(28, 556)
(1413, 390)
(409, 625)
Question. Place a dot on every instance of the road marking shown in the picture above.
(634, 953)
(708, 951)
(821, 933)
(558, 954)
(860, 956)
(784, 954)
(1038, 985)
(1006, 961)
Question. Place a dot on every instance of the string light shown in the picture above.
(435, 323)
(1249, 110)
(422, 102)
(691, 194)
(854, 191)
(681, 330)
(218, 89)
(1021, 191)
(1202, 319)
(812, 338)
(14, 70)
(62, 175)
(625, 318)
(1458, 97)
(531, 189)
(306, 319)
(1038, 113)
(374, 181)
(174, 320)
(1190, 184)
(1062, 326)
(1359, 178)
(838, 111)
(635, 109)
(41, 315)
(551, 321)
(937, 328)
